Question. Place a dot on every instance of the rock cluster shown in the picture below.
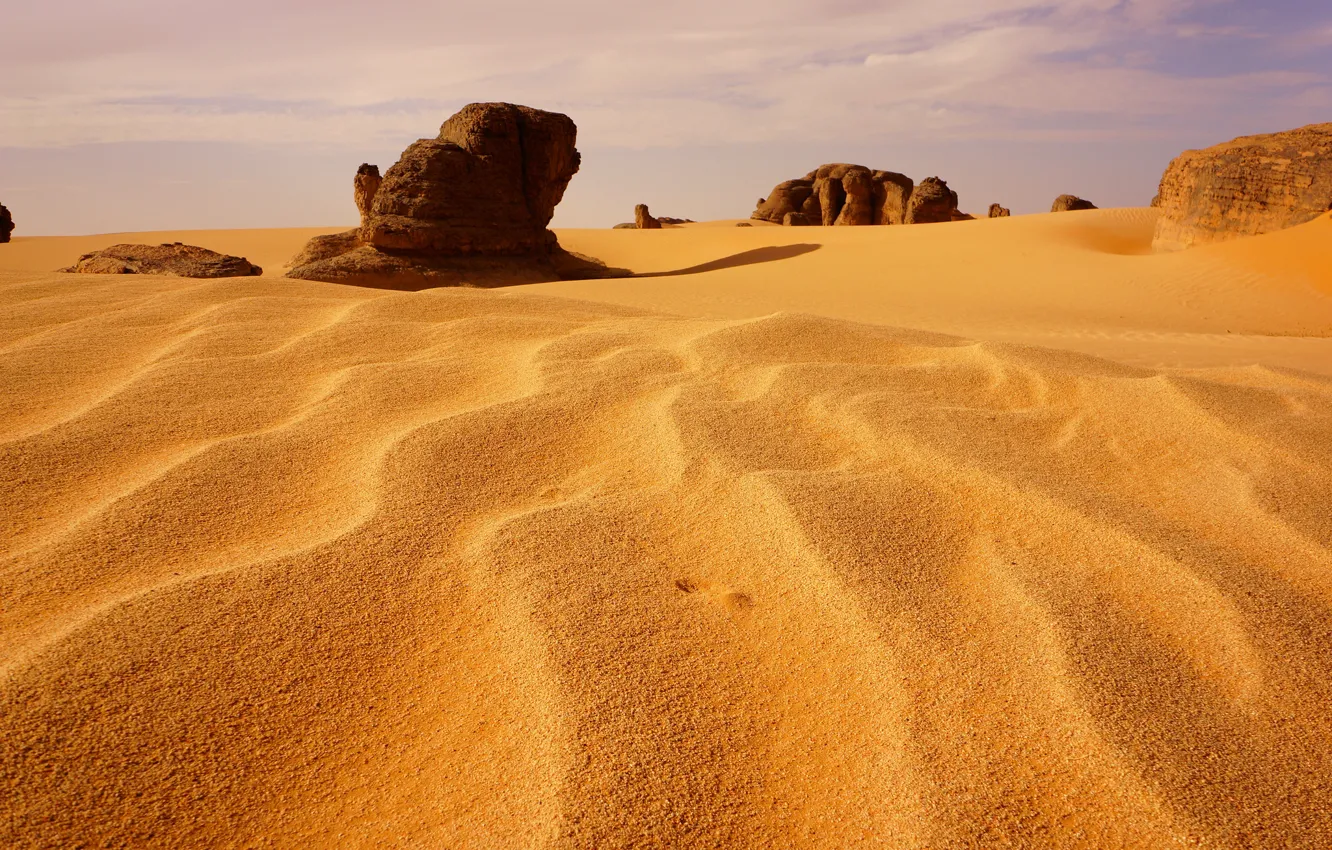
(170, 259)
(852, 195)
(6, 223)
(1245, 187)
(470, 206)
(996, 211)
(1071, 203)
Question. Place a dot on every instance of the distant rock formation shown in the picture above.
(365, 187)
(997, 211)
(932, 202)
(469, 207)
(170, 259)
(1245, 187)
(643, 219)
(1071, 203)
(6, 223)
(838, 194)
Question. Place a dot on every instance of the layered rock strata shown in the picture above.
(1246, 187)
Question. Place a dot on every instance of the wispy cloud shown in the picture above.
(686, 72)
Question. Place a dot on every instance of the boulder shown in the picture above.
(1071, 203)
(627, 225)
(365, 187)
(931, 202)
(997, 211)
(6, 223)
(839, 194)
(469, 207)
(643, 219)
(743, 224)
(665, 219)
(170, 260)
(1245, 187)
(892, 197)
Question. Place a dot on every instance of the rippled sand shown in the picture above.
(996, 534)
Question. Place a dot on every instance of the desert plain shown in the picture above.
(997, 533)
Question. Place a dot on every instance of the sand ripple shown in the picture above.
(294, 565)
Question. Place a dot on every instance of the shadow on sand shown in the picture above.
(745, 258)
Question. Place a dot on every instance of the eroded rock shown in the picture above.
(997, 211)
(838, 194)
(932, 202)
(1071, 203)
(6, 223)
(170, 260)
(469, 207)
(1246, 187)
(643, 219)
(365, 187)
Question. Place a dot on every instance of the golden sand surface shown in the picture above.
(992, 534)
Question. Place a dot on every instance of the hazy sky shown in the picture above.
(145, 114)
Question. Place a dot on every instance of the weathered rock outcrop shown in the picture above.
(1071, 203)
(838, 194)
(6, 223)
(469, 207)
(996, 211)
(1245, 187)
(932, 202)
(643, 219)
(365, 187)
(171, 260)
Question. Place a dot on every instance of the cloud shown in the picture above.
(684, 73)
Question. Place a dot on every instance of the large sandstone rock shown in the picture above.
(1245, 187)
(643, 219)
(170, 260)
(6, 223)
(932, 202)
(365, 187)
(1071, 203)
(838, 194)
(469, 207)
(997, 211)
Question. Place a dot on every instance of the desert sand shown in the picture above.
(1004, 533)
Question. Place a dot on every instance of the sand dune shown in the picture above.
(992, 534)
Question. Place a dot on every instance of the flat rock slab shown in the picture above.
(169, 260)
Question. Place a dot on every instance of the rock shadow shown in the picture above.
(744, 258)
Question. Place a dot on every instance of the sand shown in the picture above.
(991, 534)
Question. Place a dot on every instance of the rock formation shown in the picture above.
(171, 260)
(6, 223)
(1071, 203)
(931, 202)
(997, 211)
(470, 206)
(643, 219)
(1245, 187)
(838, 194)
(365, 187)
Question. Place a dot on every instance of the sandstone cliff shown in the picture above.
(1245, 187)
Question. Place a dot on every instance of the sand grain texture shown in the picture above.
(1025, 545)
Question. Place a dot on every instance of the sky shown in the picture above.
(181, 114)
